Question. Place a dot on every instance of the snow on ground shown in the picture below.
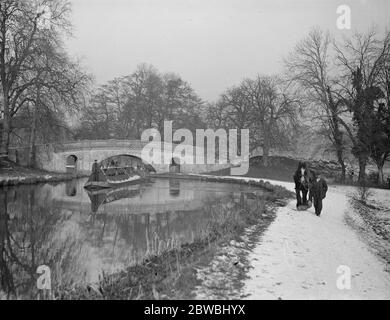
(299, 255)
(382, 196)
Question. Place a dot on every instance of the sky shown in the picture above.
(212, 44)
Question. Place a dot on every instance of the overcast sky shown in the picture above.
(212, 44)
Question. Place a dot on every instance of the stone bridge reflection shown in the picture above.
(56, 225)
(158, 196)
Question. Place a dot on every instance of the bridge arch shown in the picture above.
(71, 163)
(126, 160)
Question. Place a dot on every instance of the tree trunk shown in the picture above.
(265, 155)
(265, 144)
(5, 135)
(4, 148)
(380, 174)
(362, 169)
(340, 160)
(343, 171)
(31, 149)
(337, 136)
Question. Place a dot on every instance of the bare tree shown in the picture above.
(21, 33)
(125, 106)
(265, 106)
(275, 112)
(232, 110)
(59, 90)
(309, 66)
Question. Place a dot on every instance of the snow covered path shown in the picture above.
(298, 256)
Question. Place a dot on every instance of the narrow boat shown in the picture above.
(114, 177)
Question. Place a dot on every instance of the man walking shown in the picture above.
(95, 171)
(318, 193)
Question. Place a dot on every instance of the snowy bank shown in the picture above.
(302, 256)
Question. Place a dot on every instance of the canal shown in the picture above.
(81, 235)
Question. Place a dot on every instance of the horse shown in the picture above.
(303, 179)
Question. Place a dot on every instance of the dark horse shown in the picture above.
(303, 179)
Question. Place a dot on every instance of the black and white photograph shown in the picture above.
(204, 151)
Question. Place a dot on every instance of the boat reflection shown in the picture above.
(174, 187)
(104, 196)
(79, 235)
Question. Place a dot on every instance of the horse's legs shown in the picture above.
(304, 196)
(299, 199)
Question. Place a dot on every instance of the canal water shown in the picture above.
(81, 235)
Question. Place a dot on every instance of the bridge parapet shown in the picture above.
(98, 144)
(55, 157)
(104, 144)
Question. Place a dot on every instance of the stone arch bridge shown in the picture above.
(79, 156)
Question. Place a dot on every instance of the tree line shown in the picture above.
(342, 88)
(124, 107)
(346, 89)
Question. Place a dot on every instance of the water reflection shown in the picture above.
(174, 187)
(78, 234)
(71, 188)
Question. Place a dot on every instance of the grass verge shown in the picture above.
(373, 225)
